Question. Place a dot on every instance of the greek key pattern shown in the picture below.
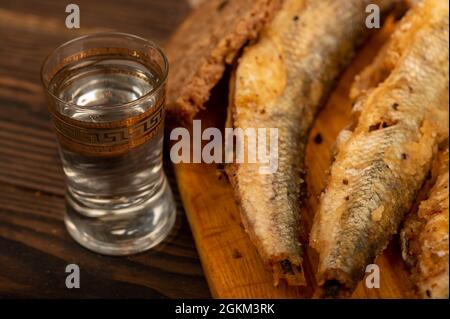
(109, 140)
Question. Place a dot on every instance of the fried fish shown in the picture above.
(424, 237)
(280, 82)
(402, 111)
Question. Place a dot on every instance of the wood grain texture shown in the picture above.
(231, 263)
(34, 245)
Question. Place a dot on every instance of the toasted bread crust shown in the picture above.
(208, 40)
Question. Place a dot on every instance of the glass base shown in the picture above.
(123, 233)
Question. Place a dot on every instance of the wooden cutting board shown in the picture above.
(230, 262)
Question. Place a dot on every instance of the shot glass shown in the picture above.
(106, 96)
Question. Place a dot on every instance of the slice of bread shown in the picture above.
(208, 40)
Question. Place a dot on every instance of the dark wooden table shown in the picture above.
(34, 245)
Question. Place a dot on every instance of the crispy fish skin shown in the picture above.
(403, 116)
(424, 238)
(280, 82)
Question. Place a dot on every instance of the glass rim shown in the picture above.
(151, 44)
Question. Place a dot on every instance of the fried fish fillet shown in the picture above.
(280, 82)
(424, 237)
(402, 103)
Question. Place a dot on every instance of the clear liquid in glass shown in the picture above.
(118, 204)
